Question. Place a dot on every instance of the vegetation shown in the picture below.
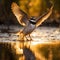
(31, 8)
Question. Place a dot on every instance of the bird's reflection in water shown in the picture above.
(36, 52)
(27, 52)
(29, 55)
(24, 44)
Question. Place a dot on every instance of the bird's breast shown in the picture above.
(28, 29)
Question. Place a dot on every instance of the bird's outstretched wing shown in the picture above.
(21, 16)
(42, 18)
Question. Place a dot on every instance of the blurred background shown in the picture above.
(46, 44)
(32, 8)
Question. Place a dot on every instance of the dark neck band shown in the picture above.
(32, 22)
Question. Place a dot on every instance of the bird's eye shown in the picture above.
(32, 21)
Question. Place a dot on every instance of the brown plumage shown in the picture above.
(29, 23)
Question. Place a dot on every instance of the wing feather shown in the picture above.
(21, 16)
(42, 18)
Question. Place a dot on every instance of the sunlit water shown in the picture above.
(45, 44)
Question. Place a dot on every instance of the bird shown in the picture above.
(29, 23)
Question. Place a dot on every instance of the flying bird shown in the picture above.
(29, 23)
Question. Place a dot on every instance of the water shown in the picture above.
(45, 44)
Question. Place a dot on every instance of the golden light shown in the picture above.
(17, 47)
(40, 37)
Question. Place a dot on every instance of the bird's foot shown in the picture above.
(28, 38)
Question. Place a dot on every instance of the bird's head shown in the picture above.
(32, 20)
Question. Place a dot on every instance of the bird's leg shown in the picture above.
(30, 37)
(28, 40)
(25, 38)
